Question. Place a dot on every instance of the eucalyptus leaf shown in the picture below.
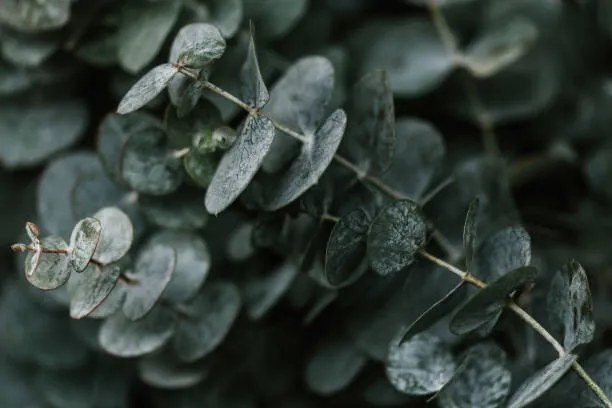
(123, 337)
(200, 167)
(153, 270)
(116, 236)
(208, 321)
(570, 309)
(260, 294)
(298, 101)
(254, 91)
(469, 233)
(197, 45)
(180, 210)
(90, 288)
(240, 163)
(487, 304)
(396, 235)
(226, 15)
(333, 366)
(192, 263)
(113, 302)
(142, 31)
(147, 88)
(193, 129)
(52, 269)
(315, 156)
(163, 370)
(419, 366)
(346, 248)
(33, 15)
(500, 47)
(540, 382)
(371, 123)
(503, 251)
(83, 243)
(483, 382)
(32, 133)
(28, 50)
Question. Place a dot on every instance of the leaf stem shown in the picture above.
(527, 318)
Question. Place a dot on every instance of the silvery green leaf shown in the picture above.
(487, 304)
(213, 313)
(153, 270)
(163, 370)
(275, 17)
(147, 88)
(90, 288)
(396, 235)
(260, 293)
(298, 101)
(540, 382)
(346, 248)
(142, 31)
(184, 211)
(483, 382)
(148, 166)
(123, 337)
(83, 243)
(116, 235)
(418, 156)
(419, 366)
(254, 91)
(114, 132)
(51, 270)
(412, 55)
(34, 15)
(192, 263)
(27, 50)
(500, 47)
(200, 167)
(197, 45)
(112, 303)
(29, 134)
(503, 251)
(315, 156)
(333, 366)
(570, 309)
(55, 190)
(371, 123)
(240, 163)
(437, 311)
(240, 243)
(469, 233)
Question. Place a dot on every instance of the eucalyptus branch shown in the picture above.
(527, 318)
(485, 123)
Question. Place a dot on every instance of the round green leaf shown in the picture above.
(411, 53)
(333, 366)
(306, 170)
(420, 366)
(27, 50)
(197, 45)
(192, 263)
(34, 15)
(163, 370)
(116, 235)
(83, 243)
(123, 337)
(142, 31)
(396, 235)
(200, 167)
(240, 163)
(483, 381)
(503, 251)
(147, 88)
(90, 288)
(30, 134)
(540, 382)
(152, 272)
(298, 101)
(486, 306)
(208, 321)
(51, 270)
(184, 211)
(112, 303)
(346, 248)
(570, 309)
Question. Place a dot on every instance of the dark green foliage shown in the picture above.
(305, 203)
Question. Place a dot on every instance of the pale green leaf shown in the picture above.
(83, 243)
(90, 288)
(503, 251)
(51, 270)
(147, 88)
(254, 91)
(261, 293)
(35, 15)
(197, 45)
(116, 235)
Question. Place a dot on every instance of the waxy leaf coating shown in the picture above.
(147, 88)
(254, 90)
(83, 243)
(51, 270)
(396, 235)
(197, 45)
(116, 235)
(503, 251)
(90, 288)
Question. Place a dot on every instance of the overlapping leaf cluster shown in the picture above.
(268, 202)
